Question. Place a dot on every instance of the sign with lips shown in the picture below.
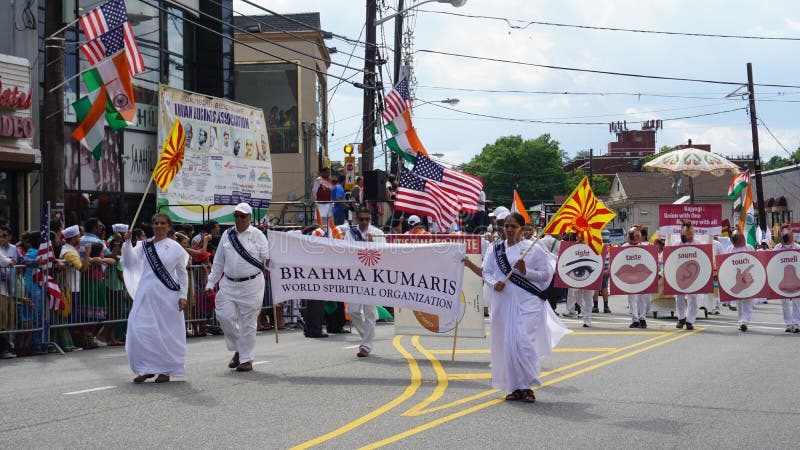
(688, 269)
(741, 275)
(634, 269)
(579, 267)
(783, 273)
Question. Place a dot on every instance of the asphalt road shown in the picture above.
(605, 387)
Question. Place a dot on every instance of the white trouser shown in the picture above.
(238, 305)
(686, 307)
(791, 311)
(745, 311)
(363, 318)
(585, 298)
(572, 298)
(638, 304)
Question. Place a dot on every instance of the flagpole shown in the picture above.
(511, 272)
(139, 209)
(455, 337)
(275, 319)
(64, 28)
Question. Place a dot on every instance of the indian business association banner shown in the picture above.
(227, 157)
(425, 278)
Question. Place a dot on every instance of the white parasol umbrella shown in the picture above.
(692, 162)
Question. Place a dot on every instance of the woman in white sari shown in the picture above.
(156, 278)
(524, 327)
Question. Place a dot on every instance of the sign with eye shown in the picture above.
(688, 269)
(634, 269)
(579, 267)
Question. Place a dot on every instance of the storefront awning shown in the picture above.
(20, 159)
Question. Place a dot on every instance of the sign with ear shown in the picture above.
(688, 269)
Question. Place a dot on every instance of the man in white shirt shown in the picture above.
(745, 306)
(686, 304)
(791, 306)
(238, 267)
(637, 303)
(363, 317)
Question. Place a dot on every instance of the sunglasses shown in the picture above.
(238, 215)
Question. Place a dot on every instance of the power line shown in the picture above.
(528, 23)
(689, 95)
(773, 136)
(601, 72)
(514, 119)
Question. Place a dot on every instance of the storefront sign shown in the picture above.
(140, 160)
(227, 156)
(16, 124)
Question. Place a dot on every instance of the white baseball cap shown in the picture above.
(414, 219)
(243, 208)
(501, 212)
(119, 227)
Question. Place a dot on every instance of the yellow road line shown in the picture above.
(485, 351)
(411, 389)
(441, 381)
(618, 332)
(448, 418)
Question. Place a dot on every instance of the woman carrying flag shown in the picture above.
(157, 280)
(524, 328)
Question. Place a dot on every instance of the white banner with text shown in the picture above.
(425, 278)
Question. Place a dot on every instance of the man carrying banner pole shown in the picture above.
(239, 267)
(686, 304)
(363, 317)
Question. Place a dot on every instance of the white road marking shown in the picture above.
(260, 362)
(352, 346)
(101, 388)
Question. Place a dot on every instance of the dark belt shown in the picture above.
(243, 278)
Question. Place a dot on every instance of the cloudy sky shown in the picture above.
(593, 97)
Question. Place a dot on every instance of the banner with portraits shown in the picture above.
(579, 267)
(767, 274)
(634, 269)
(227, 157)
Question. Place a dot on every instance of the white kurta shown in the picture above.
(524, 327)
(363, 317)
(156, 339)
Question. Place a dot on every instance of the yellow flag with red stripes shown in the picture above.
(584, 214)
(171, 159)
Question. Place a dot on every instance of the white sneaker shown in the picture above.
(7, 355)
(100, 343)
(570, 314)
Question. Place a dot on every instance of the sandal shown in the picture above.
(141, 378)
(516, 395)
(527, 396)
(162, 378)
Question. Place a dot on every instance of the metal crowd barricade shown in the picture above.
(23, 319)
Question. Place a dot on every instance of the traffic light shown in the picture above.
(348, 149)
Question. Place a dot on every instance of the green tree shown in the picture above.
(776, 162)
(796, 154)
(600, 184)
(663, 150)
(534, 167)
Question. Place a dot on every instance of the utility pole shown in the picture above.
(52, 170)
(591, 167)
(762, 215)
(398, 61)
(370, 55)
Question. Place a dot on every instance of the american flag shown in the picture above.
(45, 271)
(397, 101)
(417, 195)
(464, 187)
(108, 31)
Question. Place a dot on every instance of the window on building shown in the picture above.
(274, 88)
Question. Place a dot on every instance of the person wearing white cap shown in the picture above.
(416, 225)
(70, 254)
(238, 266)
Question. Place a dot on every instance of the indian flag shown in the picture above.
(738, 183)
(90, 110)
(113, 73)
(401, 123)
(406, 145)
(747, 219)
(519, 207)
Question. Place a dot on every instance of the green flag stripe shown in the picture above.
(392, 144)
(391, 127)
